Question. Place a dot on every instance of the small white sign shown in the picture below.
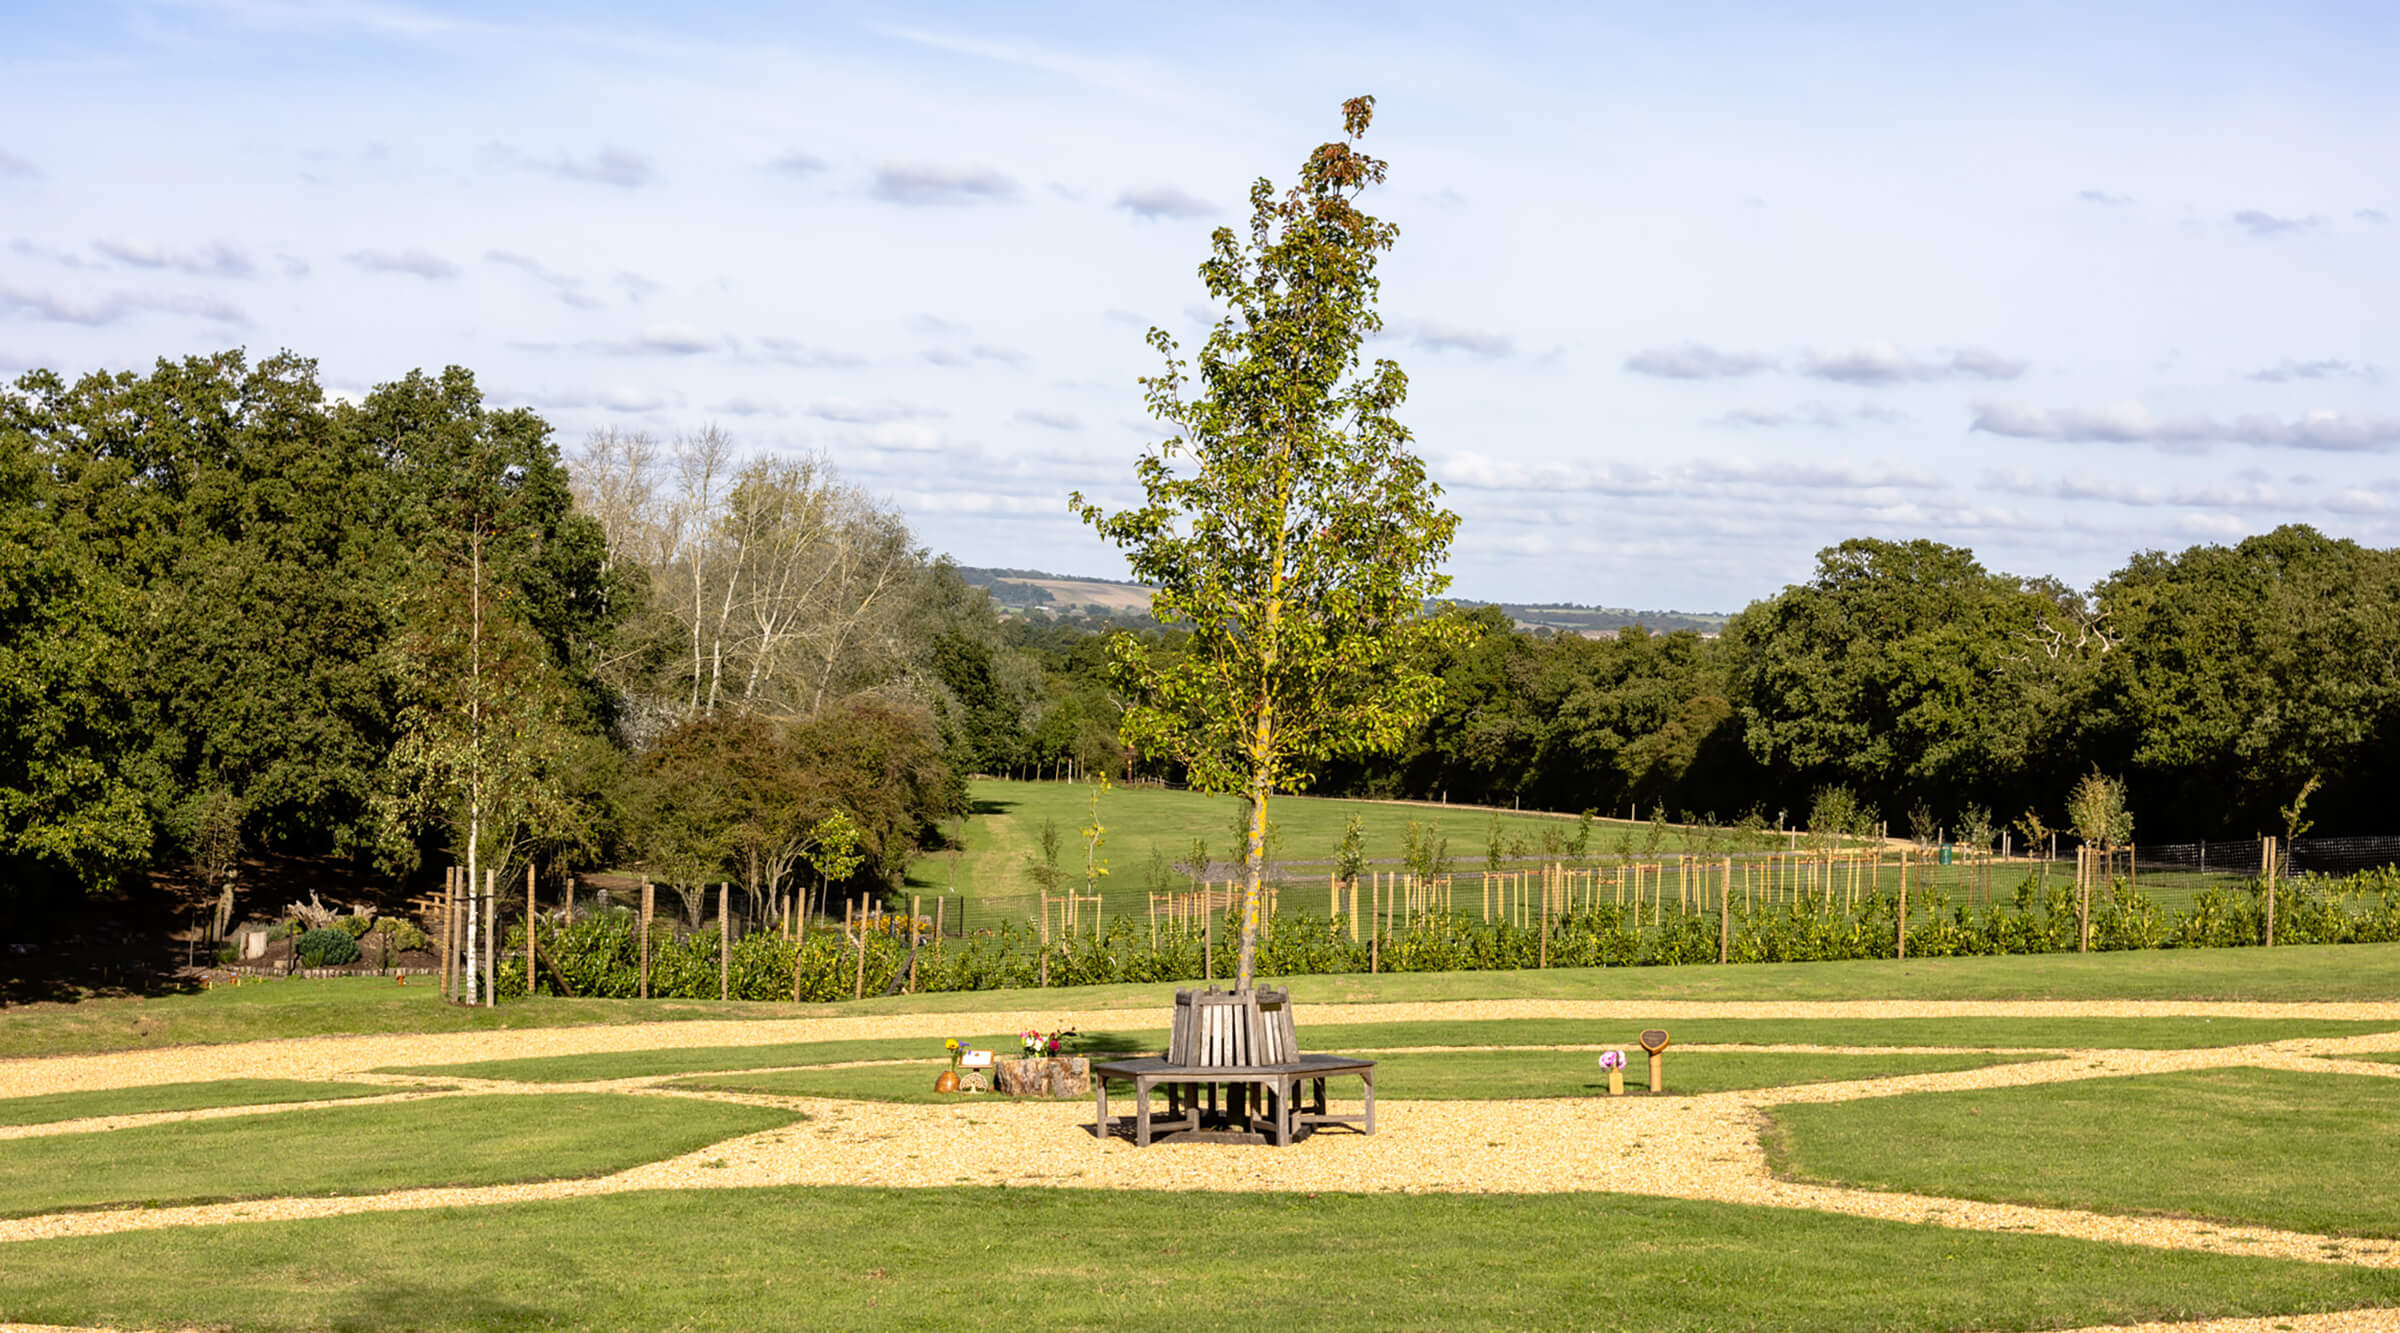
(976, 1059)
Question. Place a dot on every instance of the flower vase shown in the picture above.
(948, 1082)
(1616, 1082)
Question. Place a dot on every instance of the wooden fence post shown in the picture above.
(1208, 935)
(2083, 900)
(491, 938)
(1725, 915)
(859, 991)
(649, 900)
(1900, 946)
(724, 941)
(913, 935)
(1545, 955)
(529, 930)
(2271, 858)
(449, 927)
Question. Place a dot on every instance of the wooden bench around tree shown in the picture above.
(1244, 1043)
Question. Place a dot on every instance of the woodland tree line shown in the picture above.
(237, 617)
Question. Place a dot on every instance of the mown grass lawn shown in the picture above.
(176, 1097)
(296, 1008)
(484, 1140)
(1049, 1258)
(2305, 1152)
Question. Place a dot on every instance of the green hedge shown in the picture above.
(599, 958)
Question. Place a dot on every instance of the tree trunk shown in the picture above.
(1246, 965)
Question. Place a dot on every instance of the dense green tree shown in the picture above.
(2240, 672)
(1885, 673)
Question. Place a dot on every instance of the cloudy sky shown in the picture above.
(1685, 292)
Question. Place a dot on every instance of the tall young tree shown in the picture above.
(503, 597)
(1286, 523)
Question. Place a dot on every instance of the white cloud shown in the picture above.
(676, 338)
(214, 260)
(1880, 363)
(1434, 336)
(797, 163)
(1054, 420)
(414, 263)
(13, 165)
(749, 407)
(624, 399)
(2355, 500)
(566, 287)
(1693, 361)
(620, 167)
(2131, 423)
(2288, 370)
(1164, 201)
(922, 184)
(2266, 225)
(863, 414)
(904, 436)
(93, 312)
(788, 352)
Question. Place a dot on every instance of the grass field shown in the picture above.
(1045, 1258)
(176, 1097)
(2305, 1152)
(365, 1005)
(1003, 837)
(2228, 1143)
(363, 1149)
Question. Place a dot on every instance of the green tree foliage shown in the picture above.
(2244, 670)
(1883, 673)
(1286, 524)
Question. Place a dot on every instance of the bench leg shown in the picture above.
(1141, 1113)
(1369, 1076)
(1320, 1096)
(1106, 1124)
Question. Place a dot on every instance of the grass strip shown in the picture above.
(363, 1149)
(2304, 1152)
(58, 1106)
(1443, 1076)
(2052, 1033)
(1054, 1258)
(295, 1008)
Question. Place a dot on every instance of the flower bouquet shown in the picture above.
(1614, 1063)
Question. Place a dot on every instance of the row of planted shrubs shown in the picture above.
(598, 954)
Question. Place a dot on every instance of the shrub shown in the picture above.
(327, 947)
(401, 936)
(356, 925)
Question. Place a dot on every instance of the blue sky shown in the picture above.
(1685, 292)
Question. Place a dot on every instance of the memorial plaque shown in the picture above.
(976, 1059)
(1654, 1040)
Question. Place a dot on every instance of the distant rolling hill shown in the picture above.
(1025, 591)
